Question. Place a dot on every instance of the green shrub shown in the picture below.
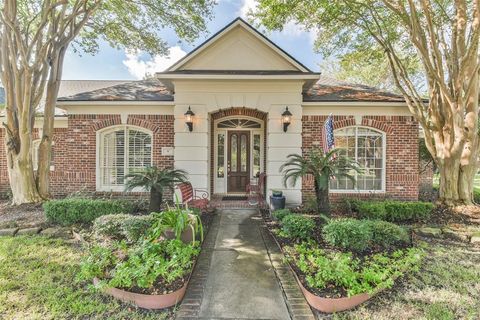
(280, 214)
(360, 235)
(394, 211)
(348, 234)
(74, 210)
(386, 234)
(298, 226)
(122, 226)
(341, 271)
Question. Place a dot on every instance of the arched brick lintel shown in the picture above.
(366, 122)
(104, 123)
(239, 111)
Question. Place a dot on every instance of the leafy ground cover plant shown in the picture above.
(340, 274)
(394, 211)
(362, 235)
(149, 267)
(76, 210)
(122, 226)
(281, 213)
(297, 226)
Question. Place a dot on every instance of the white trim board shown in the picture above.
(130, 108)
(361, 110)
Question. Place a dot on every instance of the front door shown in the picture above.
(238, 165)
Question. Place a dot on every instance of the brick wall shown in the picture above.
(402, 177)
(74, 150)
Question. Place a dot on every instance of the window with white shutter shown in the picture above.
(122, 150)
(367, 147)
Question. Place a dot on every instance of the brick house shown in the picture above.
(237, 83)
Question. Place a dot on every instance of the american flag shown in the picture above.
(327, 133)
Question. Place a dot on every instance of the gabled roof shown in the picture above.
(144, 90)
(328, 89)
(238, 22)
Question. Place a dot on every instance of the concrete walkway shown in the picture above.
(234, 277)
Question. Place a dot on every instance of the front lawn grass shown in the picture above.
(447, 287)
(38, 281)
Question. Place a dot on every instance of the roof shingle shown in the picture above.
(143, 90)
(329, 89)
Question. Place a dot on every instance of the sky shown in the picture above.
(112, 64)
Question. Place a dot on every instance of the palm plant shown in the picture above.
(177, 220)
(323, 167)
(155, 180)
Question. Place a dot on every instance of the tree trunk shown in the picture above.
(20, 173)
(323, 201)
(45, 147)
(156, 198)
(456, 183)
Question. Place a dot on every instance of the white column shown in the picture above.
(279, 145)
(191, 148)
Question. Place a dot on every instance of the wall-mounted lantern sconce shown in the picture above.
(286, 119)
(189, 119)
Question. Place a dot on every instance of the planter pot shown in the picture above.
(331, 305)
(147, 301)
(277, 194)
(186, 237)
(328, 305)
(277, 203)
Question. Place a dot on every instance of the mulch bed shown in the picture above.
(25, 215)
(468, 215)
(160, 287)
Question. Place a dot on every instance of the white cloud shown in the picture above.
(245, 8)
(290, 29)
(140, 68)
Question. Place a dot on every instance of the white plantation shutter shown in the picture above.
(123, 150)
(367, 147)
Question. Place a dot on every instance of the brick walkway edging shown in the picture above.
(190, 305)
(297, 306)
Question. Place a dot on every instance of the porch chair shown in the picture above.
(256, 191)
(195, 198)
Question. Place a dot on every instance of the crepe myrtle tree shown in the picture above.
(34, 37)
(155, 181)
(443, 35)
(323, 167)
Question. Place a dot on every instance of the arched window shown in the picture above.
(122, 150)
(367, 147)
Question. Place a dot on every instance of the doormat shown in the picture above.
(234, 198)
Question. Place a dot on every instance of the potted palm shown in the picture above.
(323, 167)
(155, 181)
(177, 223)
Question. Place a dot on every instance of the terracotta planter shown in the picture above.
(328, 305)
(147, 301)
(331, 305)
(186, 237)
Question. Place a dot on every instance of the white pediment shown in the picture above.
(239, 47)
